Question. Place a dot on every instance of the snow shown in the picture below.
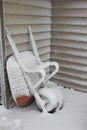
(73, 116)
(51, 97)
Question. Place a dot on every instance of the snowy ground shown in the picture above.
(72, 117)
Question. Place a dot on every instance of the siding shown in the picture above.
(69, 42)
(18, 14)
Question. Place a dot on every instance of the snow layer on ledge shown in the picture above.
(72, 117)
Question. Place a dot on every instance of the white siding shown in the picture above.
(69, 42)
(20, 14)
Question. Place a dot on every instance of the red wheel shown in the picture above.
(24, 100)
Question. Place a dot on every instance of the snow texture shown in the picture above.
(6, 124)
(52, 96)
(73, 116)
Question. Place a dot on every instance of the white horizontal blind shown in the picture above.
(69, 42)
(18, 14)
